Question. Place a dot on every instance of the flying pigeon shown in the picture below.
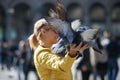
(70, 32)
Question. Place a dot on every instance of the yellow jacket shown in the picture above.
(52, 67)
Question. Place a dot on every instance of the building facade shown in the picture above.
(17, 17)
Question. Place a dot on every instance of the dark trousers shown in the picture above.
(112, 69)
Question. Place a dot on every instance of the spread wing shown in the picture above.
(85, 34)
(89, 35)
(59, 11)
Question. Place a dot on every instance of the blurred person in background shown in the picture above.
(0, 50)
(23, 59)
(113, 54)
(4, 55)
(111, 46)
(12, 54)
(30, 61)
(105, 39)
(25, 63)
(84, 65)
(99, 62)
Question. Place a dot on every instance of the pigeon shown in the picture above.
(85, 34)
(70, 32)
(69, 35)
(66, 35)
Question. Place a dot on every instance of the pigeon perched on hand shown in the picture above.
(70, 35)
(85, 34)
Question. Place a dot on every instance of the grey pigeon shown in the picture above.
(70, 32)
(85, 34)
(69, 35)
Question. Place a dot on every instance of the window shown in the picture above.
(97, 12)
(22, 19)
(97, 17)
(115, 17)
(74, 11)
(44, 10)
(116, 12)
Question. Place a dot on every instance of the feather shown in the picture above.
(59, 11)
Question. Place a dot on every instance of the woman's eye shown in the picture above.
(54, 31)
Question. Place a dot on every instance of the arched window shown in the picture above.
(44, 10)
(116, 12)
(97, 12)
(22, 10)
(97, 17)
(115, 17)
(74, 11)
(22, 19)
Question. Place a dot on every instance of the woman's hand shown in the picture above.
(74, 49)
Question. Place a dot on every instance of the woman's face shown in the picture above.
(51, 36)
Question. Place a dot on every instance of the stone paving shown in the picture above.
(12, 74)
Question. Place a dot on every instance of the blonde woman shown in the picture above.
(48, 65)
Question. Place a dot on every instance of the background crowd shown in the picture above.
(20, 57)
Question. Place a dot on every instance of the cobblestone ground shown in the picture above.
(78, 76)
(12, 74)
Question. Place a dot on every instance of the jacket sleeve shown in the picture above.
(54, 62)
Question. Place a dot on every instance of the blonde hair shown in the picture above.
(47, 23)
(33, 39)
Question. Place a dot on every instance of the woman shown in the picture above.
(48, 65)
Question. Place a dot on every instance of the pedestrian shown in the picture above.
(99, 62)
(113, 55)
(84, 65)
(50, 66)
